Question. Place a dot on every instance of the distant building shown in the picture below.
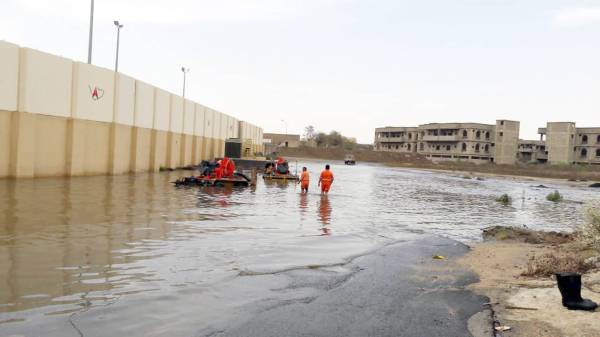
(272, 141)
(471, 142)
(282, 140)
(568, 144)
(532, 151)
(560, 142)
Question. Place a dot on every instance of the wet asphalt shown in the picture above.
(399, 290)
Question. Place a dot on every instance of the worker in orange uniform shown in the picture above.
(219, 170)
(326, 179)
(304, 180)
(228, 167)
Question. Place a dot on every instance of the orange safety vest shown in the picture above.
(326, 177)
(228, 167)
(304, 178)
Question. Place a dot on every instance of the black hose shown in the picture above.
(239, 174)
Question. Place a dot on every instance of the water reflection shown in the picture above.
(303, 205)
(209, 196)
(68, 244)
(63, 243)
(324, 214)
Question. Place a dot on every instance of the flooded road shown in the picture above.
(135, 252)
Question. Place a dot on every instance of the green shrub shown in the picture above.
(504, 199)
(554, 197)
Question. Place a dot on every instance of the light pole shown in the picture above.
(119, 26)
(185, 71)
(285, 123)
(91, 33)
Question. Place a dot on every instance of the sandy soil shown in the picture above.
(530, 306)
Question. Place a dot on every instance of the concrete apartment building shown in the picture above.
(474, 142)
(567, 143)
(532, 151)
(560, 143)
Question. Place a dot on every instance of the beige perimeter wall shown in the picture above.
(64, 118)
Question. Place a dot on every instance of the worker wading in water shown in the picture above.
(304, 180)
(326, 179)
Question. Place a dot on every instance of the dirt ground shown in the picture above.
(530, 306)
(584, 173)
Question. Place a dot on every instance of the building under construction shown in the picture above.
(560, 142)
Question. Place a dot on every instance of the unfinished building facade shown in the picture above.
(559, 143)
(532, 151)
(473, 142)
(568, 144)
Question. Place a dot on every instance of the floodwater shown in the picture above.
(153, 259)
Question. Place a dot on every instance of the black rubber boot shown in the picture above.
(569, 285)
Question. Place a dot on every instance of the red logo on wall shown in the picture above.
(96, 92)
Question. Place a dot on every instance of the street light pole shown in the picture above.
(185, 71)
(91, 33)
(119, 26)
(285, 123)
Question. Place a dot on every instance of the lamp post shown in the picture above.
(285, 124)
(91, 33)
(185, 71)
(119, 26)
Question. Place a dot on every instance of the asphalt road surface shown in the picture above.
(399, 290)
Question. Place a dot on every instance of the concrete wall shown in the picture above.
(233, 128)
(5, 142)
(65, 118)
(189, 125)
(9, 76)
(189, 117)
(162, 110)
(200, 120)
(93, 93)
(216, 133)
(45, 83)
(143, 122)
(9, 83)
(208, 133)
(252, 138)
(124, 100)
(560, 142)
(198, 142)
(506, 145)
(120, 147)
(159, 134)
(175, 130)
(144, 105)
(122, 127)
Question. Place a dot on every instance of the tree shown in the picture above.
(335, 139)
(349, 143)
(322, 139)
(309, 133)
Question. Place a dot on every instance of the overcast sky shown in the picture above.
(346, 65)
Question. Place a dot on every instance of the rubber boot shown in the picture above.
(569, 285)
